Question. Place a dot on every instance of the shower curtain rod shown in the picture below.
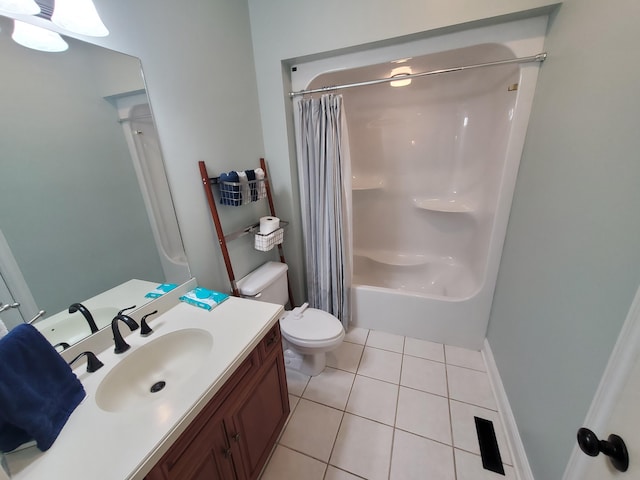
(540, 57)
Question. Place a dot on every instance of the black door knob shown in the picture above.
(613, 447)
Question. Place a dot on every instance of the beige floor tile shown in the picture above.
(381, 364)
(363, 447)
(334, 473)
(373, 399)
(385, 341)
(425, 375)
(293, 401)
(312, 429)
(330, 388)
(424, 414)
(470, 386)
(463, 357)
(357, 335)
(296, 382)
(418, 458)
(424, 349)
(286, 463)
(345, 357)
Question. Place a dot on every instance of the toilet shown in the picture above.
(308, 333)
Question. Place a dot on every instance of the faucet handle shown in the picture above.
(93, 363)
(125, 309)
(145, 329)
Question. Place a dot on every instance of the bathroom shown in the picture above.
(570, 259)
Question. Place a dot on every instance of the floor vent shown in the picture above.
(489, 450)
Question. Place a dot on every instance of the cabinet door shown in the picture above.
(258, 415)
(205, 457)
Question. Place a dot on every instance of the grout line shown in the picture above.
(453, 450)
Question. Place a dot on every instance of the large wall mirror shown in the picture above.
(84, 201)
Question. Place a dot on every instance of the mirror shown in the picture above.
(84, 202)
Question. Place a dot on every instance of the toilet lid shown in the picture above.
(312, 325)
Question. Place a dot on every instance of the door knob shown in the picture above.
(613, 447)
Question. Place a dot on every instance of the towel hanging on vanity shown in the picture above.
(38, 390)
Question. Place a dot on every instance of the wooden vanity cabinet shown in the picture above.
(232, 437)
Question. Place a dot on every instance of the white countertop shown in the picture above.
(96, 444)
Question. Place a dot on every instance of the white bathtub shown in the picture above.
(434, 168)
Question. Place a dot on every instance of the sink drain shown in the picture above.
(156, 387)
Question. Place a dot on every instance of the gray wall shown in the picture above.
(570, 266)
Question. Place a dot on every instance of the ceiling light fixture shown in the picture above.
(400, 72)
(37, 38)
(79, 16)
(20, 7)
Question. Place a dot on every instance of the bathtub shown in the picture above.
(434, 166)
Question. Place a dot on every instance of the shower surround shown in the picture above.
(434, 162)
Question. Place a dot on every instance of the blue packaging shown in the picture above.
(203, 298)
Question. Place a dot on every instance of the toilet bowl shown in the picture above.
(308, 333)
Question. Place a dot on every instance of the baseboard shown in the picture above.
(518, 454)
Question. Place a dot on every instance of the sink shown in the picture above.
(154, 370)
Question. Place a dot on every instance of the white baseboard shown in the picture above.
(518, 454)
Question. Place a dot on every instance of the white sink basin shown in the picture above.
(154, 370)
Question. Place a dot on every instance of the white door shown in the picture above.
(615, 408)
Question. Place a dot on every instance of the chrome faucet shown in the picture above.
(78, 307)
(120, 345)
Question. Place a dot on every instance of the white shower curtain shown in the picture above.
(325, 190)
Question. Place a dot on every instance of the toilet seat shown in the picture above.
(313, 328)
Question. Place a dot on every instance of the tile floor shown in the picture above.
(389, 407)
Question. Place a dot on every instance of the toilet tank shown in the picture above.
(267, 283)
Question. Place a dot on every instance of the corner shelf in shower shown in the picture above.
(366, 182)
(443, 205)
(393, 258)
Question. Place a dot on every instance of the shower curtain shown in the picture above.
(325, 190)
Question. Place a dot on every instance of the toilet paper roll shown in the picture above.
(269, 224)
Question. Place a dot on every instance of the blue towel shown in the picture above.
(230, 194)
(253, 186)
(38, 390)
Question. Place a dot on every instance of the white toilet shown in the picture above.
(308, 333)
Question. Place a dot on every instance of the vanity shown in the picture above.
(218, 415)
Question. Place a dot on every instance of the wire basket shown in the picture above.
(265, 242)
(241, 193)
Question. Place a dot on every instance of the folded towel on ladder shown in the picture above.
(262, 191)
(244, 188)
(253, 187)
(230, 189)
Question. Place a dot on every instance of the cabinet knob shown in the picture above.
(227, 453)
(613, 447)
(236, 437)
